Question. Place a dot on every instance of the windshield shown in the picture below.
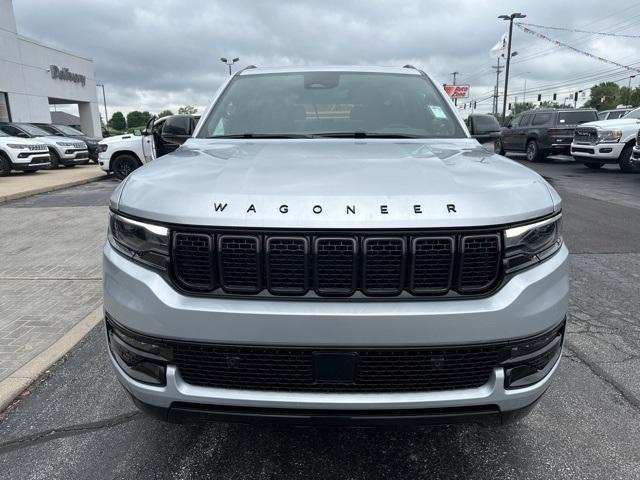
(633, 114)
(70, 131)
(577, 117)
(33, 130)
(332, 104)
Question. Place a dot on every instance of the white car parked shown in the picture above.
(19, 154)
(607, 141)
(62, 150)
(122, 154)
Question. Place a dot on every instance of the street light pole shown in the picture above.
(228, 63)
(506, 73)
(455, 74)
(630, 77)
(496, 97)
(104, 99)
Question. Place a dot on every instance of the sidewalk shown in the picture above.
(50, 276)
(18, 185)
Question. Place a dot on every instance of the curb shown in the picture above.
(35, 191)
(19, 380)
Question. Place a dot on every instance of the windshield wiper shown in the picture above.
(366, 135)
(263, 135)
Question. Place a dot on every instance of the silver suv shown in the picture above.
(331, 246)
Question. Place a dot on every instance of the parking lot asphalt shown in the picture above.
(78, 422)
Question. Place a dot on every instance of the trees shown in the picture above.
(165, 113)
(187, 110)
(118, 122)
(521, 107)
(605, 95)
(137, 119)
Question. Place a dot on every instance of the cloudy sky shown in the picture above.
(162, 54)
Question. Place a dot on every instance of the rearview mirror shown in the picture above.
(176, 129)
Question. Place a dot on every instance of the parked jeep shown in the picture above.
(331, 246)
(540, 133)
(123, 154)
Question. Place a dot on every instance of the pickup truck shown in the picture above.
(607, 141)
(123, 154)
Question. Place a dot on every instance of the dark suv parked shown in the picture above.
(539, 133)
(67, 131)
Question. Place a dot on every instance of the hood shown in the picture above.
(20, 141)
(335, 183)
(119, 138)
(614, 123)
(51, 139)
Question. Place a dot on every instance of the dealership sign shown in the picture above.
(65, 74)
(457, 91)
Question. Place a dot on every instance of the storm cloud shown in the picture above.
(163, 54)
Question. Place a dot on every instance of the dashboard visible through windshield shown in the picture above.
(331, 104)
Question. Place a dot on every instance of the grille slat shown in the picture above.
(287, 265)
(302, 264)
(479, 264)
(383, 265)
(239, 257)
(193, 260)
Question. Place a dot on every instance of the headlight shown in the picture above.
(529, 244)
(609, 136)
(141, 242)
(102, 147)
(65, 144)
(17, 146)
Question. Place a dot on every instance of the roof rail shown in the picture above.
(409, 66)
(248, 67)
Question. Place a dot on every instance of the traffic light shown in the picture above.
(475, 104)
(555, 96)
(539, 97)
(509, 106)
(575, 97)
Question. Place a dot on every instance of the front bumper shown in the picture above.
(34, 163)
(600, 152)
(104, 160)
(71, 156)
(140, 300)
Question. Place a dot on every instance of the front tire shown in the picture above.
(499, 147)
(625, 161)
(533, 152)
(55, 160)
(124, 164)
(5, 165)
(593, 165)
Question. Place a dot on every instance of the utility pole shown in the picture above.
(498, 69)
(455, 74)
(510, 18)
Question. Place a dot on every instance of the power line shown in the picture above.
(576, 30)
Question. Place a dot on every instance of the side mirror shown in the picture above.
(176, 129)
(137, 132)
(484, 129)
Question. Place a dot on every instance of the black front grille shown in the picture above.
(333, 266)
(376, 370)
(480, 262)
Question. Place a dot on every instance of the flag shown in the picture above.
(499, 48)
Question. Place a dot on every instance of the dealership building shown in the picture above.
(34, 76)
